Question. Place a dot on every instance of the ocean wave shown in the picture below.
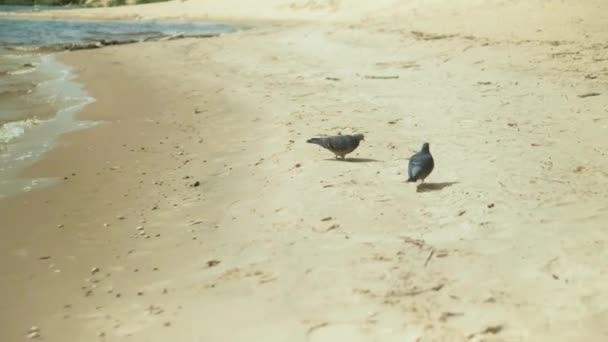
(27, 68)
(24, 48)
(13, 130)
(51, 94)
(6, 94)
(15, 56)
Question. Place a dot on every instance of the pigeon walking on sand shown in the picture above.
(421, 165)
(340, 145)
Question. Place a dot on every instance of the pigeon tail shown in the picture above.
(323, 142)
(317, 141)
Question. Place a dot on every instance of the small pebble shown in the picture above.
(94, 270)
(106, 225)
(60, 226)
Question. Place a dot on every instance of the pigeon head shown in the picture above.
(425, 148)
(359, 137)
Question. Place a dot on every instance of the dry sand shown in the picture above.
(279, 242)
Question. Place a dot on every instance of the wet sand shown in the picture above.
(196, 211)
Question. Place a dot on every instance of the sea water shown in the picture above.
(39, 98)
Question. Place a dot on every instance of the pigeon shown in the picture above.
(421, 164)
(340, 145)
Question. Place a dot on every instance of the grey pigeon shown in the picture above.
(421, 164)
(340, 145)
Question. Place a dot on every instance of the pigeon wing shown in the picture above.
(420, 166)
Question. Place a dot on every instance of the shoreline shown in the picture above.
(64, 227)
(197, 198)
(134, 18)
(128, 13)
(54, 99)
(129, 31)
(53, 84)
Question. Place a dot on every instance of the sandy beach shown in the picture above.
(196, 211)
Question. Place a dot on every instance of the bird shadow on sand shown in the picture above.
(355, 160)
(426, 187)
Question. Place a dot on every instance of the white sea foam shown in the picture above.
(23, 142)
(27, 48)
(16, 56)
(22, 71)
(13, 130)
(26, 155)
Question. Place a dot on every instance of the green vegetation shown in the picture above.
(71, 2)
(42, 2)
(147, 1)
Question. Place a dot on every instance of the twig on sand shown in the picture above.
(552, 180)
(431, 36)
(379, 77)
(332, 227)
(429, 257)
(316, 327)
(582, 96)
(418, 243)
(444, 316)
(491, 330)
